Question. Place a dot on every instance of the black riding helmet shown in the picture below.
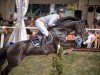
(60, 10)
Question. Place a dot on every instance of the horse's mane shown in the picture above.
(68, 18)
(68, 24)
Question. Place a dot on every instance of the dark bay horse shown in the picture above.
(15, 53)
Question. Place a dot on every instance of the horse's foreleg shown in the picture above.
(7, 70)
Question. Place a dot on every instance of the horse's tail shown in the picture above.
(2, 56)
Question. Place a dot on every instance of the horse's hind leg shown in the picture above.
(7, 70)
(11, 64)
(9, 67)
(14, 57)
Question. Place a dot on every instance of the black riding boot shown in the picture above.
(43, 45)
(43, 41)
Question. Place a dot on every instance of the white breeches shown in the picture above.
(41, 26)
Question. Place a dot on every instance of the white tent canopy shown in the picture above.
(19, 32)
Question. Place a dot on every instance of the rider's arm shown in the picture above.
(53, 20)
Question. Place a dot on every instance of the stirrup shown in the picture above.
(35, 42)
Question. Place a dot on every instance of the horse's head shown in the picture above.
(80, 28)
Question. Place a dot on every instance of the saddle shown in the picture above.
(36, 42)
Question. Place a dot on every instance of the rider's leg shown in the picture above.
(44, 39)
(43, 45)
(41, 26)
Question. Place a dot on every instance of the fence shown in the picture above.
(2, 34)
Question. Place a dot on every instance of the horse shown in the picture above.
(16, 52)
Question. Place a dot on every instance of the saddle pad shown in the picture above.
(11, 43)
(35, 42)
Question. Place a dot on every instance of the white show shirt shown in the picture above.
(90, 38)
(50, 19)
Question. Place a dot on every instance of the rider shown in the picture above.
(90, 40)
(48, 21)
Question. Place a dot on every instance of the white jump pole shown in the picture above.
(2, 34)
(2, 40)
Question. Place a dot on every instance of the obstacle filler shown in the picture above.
(87, 49)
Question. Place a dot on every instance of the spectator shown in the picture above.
(1, 18)
(78, 40)
(90, 40)
(3, 30)
(70, 37)
(11, 20)
(97, 42)
(30, 23)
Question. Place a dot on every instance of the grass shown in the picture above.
(77, 63)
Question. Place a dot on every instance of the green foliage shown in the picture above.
(57, 63)
(59, 53)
